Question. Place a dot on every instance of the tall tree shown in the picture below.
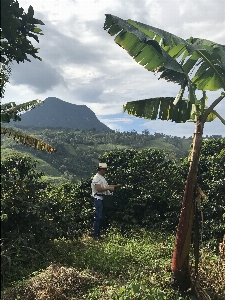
(195, 64)
(17, 29)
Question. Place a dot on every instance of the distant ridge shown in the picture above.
(58, 113)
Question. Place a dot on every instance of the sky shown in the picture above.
(81, 63)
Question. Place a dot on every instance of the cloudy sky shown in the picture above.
(81, 64)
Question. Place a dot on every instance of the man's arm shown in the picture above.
(115, 185)
(110, 187)
(99, 188)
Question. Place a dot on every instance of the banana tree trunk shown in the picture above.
(180, 261)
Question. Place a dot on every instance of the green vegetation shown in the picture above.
(46, 229)
(47, 226)
(17, 30)
(8, 147)
(194, 64)
(78, 150)
(131, 266)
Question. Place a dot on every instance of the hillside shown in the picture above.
(78, 150)
(57, 113)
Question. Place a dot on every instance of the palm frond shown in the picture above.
(27, 140)
(11, 110)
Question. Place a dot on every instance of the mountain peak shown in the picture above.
(55, 112)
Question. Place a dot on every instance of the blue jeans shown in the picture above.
(99, 213)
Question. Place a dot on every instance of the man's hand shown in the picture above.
(117, 185)
(111, 188)
(114, 186)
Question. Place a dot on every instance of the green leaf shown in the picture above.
(161, 108)
(191, 61)
(172, 76)
(17, 26)
(218, 116)
(206, 79)
(9, 111)
(180, 94)
(144, 49)
(37, 30)
(30, 13)
(160, 51)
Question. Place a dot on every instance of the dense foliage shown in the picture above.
(34, 212)
(20, 193)
(17, 29)
(211, 178)
(194, 64)
(78, 150)
(152, 188)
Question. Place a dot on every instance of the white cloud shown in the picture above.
(82, 64)
(116, 123)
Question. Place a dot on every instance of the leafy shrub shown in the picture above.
(20, 194)
(211, 179)
(152, 188)
(68, 209)
(32, 212)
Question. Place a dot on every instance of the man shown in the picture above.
(99, 188)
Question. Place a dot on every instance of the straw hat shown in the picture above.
(102, 165)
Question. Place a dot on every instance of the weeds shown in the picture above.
(121, 267)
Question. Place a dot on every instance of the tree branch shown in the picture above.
(219, 117)
(210, 108)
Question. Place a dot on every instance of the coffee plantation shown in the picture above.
(37, 215)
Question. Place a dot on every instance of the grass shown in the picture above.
(121, 267)
(41, 165)
(56, 180)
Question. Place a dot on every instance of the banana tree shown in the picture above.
(194, 64)
(11, 111)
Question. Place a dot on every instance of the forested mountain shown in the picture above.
(78, 150)
(57, 113)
